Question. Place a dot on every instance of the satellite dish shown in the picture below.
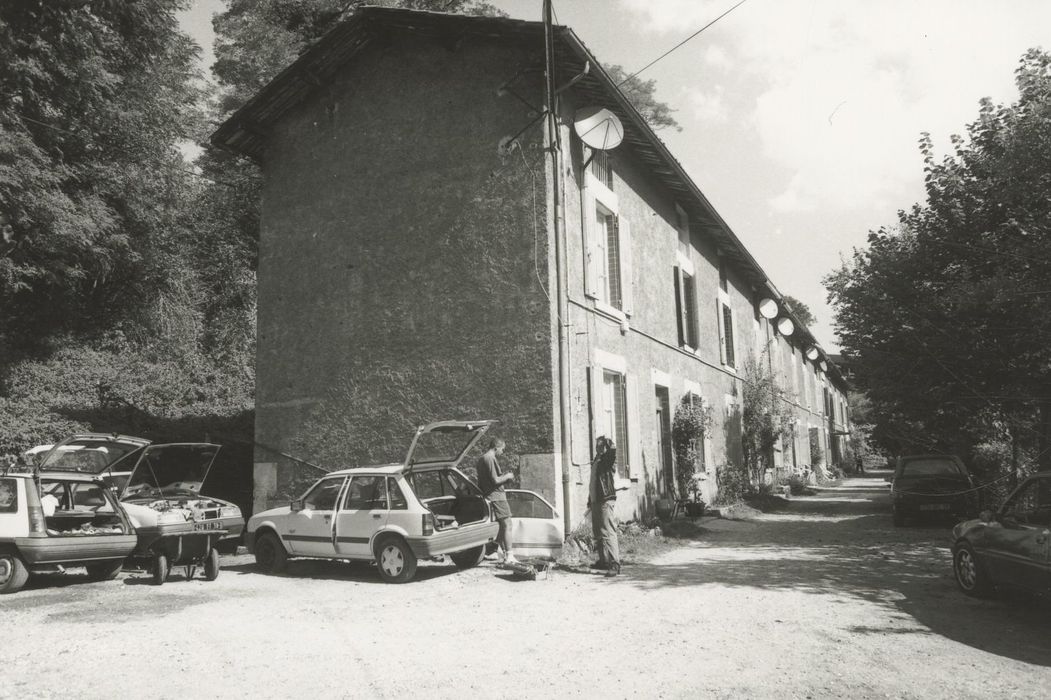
(785, 326)
(768, 308)
(812, 353)
(598, 127)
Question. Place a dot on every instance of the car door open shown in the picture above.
(536, 527)
(310, 527)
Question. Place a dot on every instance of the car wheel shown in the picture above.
(970, 576)
(469, 557)
(211, 565)
(270, 554)
(160, 569)
(13, 573)
(104, 571)
(396, 562)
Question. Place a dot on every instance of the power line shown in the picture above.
(681, 43)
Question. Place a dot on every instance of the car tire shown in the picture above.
(211, 565)
(13, 572)
(160, 569)
(469, 558)
(270, 554)
(395, 561)
(968, 572)
(104, 571)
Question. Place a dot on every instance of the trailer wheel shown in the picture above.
(160, 569)
(104, 571)
(13, 572)
(211, 565)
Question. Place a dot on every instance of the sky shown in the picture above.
(801, 118)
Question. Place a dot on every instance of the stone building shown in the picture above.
(409, 268)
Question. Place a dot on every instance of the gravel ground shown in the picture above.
(823, 600)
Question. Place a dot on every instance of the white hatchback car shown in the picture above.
(397, 514)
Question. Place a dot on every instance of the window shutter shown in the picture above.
(634, 439)
(728, 331)
(591, 252)
(624, 235)
(680, 307)
(722, 330)
(595, 404)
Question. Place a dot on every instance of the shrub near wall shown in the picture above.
(733, 482)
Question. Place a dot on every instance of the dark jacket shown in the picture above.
(605, 468)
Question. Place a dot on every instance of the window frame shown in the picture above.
(598, 199)
(728, 354)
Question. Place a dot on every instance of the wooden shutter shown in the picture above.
(634, 438)
(626, 272)
(591, 252)
(594, 404)
(680, 307)
(722, 330)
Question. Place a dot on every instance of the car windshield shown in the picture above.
(91, 456)
(931, 466)
(171, 471)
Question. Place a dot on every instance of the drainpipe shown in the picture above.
(561, 294)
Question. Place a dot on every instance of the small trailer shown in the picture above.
(181, 544)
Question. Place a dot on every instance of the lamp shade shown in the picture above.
(812, 353)
(785, 326)
(768, 308)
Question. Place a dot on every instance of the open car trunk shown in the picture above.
(454, 511)
(452, 497)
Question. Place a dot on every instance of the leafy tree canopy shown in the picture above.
(944, 315)
(643, 95)
(802, 311)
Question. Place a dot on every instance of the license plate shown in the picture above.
(208, 525)
(935, 506)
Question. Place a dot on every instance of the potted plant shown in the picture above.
(691, 422)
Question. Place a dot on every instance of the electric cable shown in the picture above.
(681, 43)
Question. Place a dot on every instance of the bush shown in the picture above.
(733, 483)
(692, 420)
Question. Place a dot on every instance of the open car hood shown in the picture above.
(175, 470)
(90, 453)
(445, 442)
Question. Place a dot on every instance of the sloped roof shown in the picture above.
(246, 131)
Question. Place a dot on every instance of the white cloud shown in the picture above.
(708, 105)
(838, 92)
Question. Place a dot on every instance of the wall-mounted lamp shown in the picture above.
(786, 327)
(812, 353)
(768, 308)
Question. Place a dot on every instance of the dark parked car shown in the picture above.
(1008, 548)
(932, 486)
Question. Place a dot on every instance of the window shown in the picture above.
(397, 498)
(726, 331)
(366, 493)
(686, 308)
(614, 419)
(528, 505)
(8, 496)
(608, 243)
(323, 495)
(602, 168)
(609, 231)
(682, 226)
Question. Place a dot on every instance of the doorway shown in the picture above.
(666, 482)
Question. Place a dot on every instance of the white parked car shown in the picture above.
(397, 514)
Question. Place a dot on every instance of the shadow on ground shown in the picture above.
(841, 541)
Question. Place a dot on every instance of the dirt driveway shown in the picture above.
(825, 600)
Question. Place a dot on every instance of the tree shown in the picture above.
(643, 95)
(801, 310)
(765, 418)
(94, 97)
(943, 316)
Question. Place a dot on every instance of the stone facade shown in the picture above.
(407, 274)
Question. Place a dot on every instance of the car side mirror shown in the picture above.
(296, 505)
(986, 516)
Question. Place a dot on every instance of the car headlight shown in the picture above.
(230, 512)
